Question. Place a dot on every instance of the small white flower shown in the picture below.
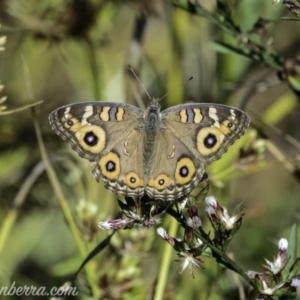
(219, 217)
(281, 259)
(276, 1)
(194, 222)
(283, 244)
(210, 210)
(251, 274)
(114, 224)
(295, 282)
(227, 221)
(189, 262)
(211, 201)
(104, 225)
(270, 291)
(266, 290)
(162, 232)
(276, 266)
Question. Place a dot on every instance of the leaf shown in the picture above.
(295, 268)
(238, 208)
(292, 249)
(284, 105)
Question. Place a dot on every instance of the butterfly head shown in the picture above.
(154, 105)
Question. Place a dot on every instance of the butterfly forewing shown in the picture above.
(206, 129)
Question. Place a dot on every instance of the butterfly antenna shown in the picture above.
(191, 78)
(131, 69)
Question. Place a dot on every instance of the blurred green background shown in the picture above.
(72, 51)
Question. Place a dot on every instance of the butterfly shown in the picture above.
(136, 152)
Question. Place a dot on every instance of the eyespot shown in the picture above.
(109, 165)
(209, 140)
(160, 182)
(91, 138)
(72, 124)
(227, 126)
(133, 180)
(185, 170)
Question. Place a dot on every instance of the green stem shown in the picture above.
(64, 205)
(93, 67)
(165, 264)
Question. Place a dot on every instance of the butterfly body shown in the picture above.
(161, 154)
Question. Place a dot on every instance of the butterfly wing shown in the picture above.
(109, 135)
(191, 136)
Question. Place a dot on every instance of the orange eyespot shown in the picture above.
(110, 165)
(185, 170)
